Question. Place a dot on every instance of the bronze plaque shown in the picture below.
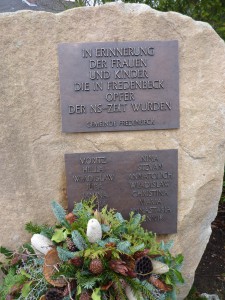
(141, 181)
(115, 86)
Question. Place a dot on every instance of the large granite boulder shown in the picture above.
(32, 146)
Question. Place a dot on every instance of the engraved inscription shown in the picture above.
(149, 184)
(141, 181)
(113, 83)
(93, 176)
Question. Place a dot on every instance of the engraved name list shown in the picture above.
(141, 181)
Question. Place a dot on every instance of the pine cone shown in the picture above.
(143, 268)
(118, 266)
(96, 266)
(54, 294)
(85, 296)
(70, 245)
(77, 261)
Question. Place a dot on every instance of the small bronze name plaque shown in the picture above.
(115, 86)
(141, 181)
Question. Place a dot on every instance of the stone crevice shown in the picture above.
(191, 155)
(93, 144)
(39, 138)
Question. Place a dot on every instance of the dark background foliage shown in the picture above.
(209, 11)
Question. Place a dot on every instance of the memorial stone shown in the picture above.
(32, 145)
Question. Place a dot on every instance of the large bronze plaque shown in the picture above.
(115, 86)
(141, 181)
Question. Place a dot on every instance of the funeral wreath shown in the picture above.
(91, 254)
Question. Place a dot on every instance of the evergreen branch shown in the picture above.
(135, 221)
(105, 228)
(87, 281)
(8, 253)
(149, 290)
(168, 245)
(112, 240)
(64, 254)
(11, 280)
(45, 230)
(58, 211)
(124, 247)
(138, 286)
(121, 229)
(78, 240)
(33, 228)
(28, 247)
(65, 270)
(119, 217)
(78, 207)
(118, 286)
(127, 237)
(137, 248)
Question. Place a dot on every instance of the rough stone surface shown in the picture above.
(32, 146)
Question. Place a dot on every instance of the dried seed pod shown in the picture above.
(98, 216)
(71, 218)
(69, 287)
(70, 244)
(41, 243)
(139, 254)
(110, 245)
(143, 268)
(50, 268)
(108, 253)
(54, 294)
(160, 284)
(118, 266)
(159, 267)
(85, 296)
(16, 258)
(131, 273)
(94, 231)
(129, 260)
(96, 266)
(77, 261)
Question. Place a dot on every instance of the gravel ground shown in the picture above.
(54, 6)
